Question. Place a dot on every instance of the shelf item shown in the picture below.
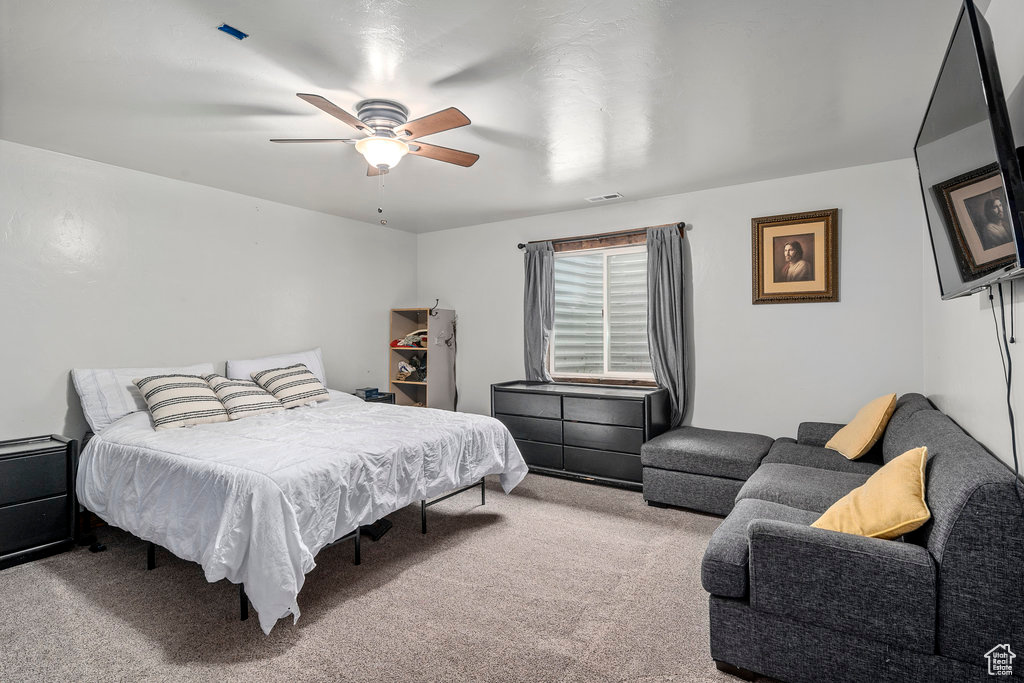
(380, 398)
(437, 389)
(584, 431)
(37, 497)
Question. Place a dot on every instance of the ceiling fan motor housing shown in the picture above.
(383, 116)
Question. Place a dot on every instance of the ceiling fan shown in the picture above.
(390, 135)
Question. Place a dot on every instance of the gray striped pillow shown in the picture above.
(180, 400)
(242, 398)
(293, 386)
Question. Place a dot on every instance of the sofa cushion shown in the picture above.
(816, 433)
(888, 505)
(807, 488)
(787, 452)
(724, 568)
(899, 438)
(713, 495)
(712, 452)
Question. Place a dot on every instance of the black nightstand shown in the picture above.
(37, 497)
(381, 398)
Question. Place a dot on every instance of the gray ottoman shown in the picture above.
(700, 469)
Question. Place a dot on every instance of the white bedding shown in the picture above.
(254, 500)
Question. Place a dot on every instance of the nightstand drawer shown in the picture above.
(606, 411)
(534, 405)
(533, 428)
(28, 477)
(27, 525)
(622, 466)
(541, 454)
(604, 437)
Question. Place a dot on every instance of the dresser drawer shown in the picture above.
(533, 405)
(28, 477)
(603, 437)
(28, 525)
(541, 454)
(604, 411)
(603, 463)
(533, 428)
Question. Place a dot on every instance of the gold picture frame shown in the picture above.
(982, 243)
(795, 257)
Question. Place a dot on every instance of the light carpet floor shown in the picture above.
(559, 581)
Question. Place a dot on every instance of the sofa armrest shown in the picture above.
(876, 589)
(816, 433)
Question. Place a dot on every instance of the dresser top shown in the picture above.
(585, 390)
(35, 444)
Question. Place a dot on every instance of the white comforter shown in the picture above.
(254, 500)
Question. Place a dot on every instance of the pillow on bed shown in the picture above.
(312, 359)
(243, 397)
(108, 395)
(293, 386)
(180, 401)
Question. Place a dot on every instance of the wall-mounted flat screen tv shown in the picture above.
(969, 167)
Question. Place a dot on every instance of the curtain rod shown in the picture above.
(619, 233)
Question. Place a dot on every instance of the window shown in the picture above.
(601, 314)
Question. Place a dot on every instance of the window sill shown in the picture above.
(610, 381)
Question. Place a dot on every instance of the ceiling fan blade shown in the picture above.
(452, 156)
(348, 140)
(446, 119)
(372, 170)
(335, 111)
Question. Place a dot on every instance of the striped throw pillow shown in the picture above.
(180, 400)
(293, 386)
(242, 398)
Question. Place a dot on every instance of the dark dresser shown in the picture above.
(585, 431)
(37, 497)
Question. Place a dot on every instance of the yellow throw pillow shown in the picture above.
(889, 504)
(865, 429)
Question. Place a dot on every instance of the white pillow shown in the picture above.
(293, 386)
(312, 359)
(180, 401)
(108, 395)
(243, 398)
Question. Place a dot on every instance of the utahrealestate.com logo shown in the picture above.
(1000, 660)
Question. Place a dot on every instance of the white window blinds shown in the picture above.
(601, 314)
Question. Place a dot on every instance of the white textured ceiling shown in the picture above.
(568, 98)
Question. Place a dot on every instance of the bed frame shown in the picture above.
(243, 600)
(424, 504)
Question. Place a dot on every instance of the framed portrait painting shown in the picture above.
(974, 209)
(795, 257)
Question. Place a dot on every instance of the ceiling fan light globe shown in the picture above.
(382, 152)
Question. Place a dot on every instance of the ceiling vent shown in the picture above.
(604, 197)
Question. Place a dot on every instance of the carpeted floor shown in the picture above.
(559, 581)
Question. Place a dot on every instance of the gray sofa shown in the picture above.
(803, 604)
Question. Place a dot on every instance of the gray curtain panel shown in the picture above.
(538, 308)
(665, 334)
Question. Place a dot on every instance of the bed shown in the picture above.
(254, 500)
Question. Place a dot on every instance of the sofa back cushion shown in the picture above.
(976, 536)
(897, 440)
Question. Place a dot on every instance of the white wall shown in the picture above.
(758, 368)
(963, 374)
(102, 266)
